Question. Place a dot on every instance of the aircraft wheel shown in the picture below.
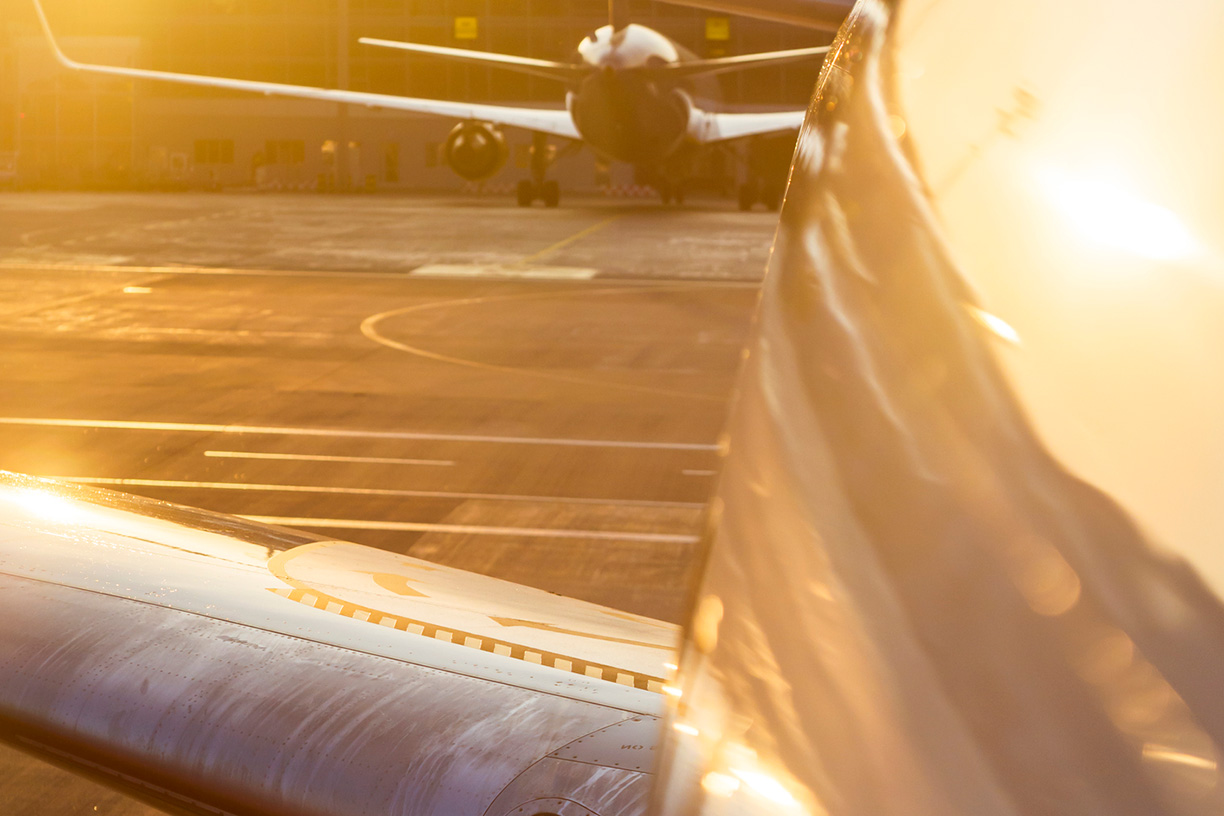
(526, 193)
(551, 193)
(747, 196)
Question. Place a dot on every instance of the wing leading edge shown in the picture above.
(563, 71)
(741, 62)
(551, 121)
(708, 128)
(573, 72)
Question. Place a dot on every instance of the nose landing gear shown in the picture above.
(539, 186)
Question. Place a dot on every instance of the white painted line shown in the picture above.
(315, 457)
(222, 332)
(370, 491)
(137, 290)
(342, 433)
(699, 472)
(469, 529)
(41, 266)
(508, 272)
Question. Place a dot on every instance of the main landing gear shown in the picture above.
(539, 186)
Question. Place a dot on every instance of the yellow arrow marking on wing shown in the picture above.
(397, 584)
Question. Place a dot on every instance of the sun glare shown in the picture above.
(1104, 210)
(48, 506)
(995, 324)
(766, 786)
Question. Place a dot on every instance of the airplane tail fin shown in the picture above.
(618, 14)
(563, 71)
(870, 635)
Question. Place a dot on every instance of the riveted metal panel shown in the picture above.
(629, 744)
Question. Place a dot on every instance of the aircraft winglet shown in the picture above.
(46, 27)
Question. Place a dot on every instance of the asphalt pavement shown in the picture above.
(532, 394)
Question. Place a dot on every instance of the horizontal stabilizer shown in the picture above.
(564, 71)
(556, 122)
(741, 62)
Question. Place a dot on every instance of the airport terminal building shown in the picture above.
(64, 130)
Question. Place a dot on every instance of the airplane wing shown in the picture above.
(211, 665)
(551, 121)
(738, 63)
(564, 71)
(572, 72)
(708, 128)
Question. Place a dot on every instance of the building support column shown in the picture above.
(344, 176)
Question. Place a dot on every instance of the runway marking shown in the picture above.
(41, 266)
(341, 433)
(511, 272)
(370, 491)
(577, 236)
(315, 457)
(180, 332)
(470, 529)
(406, 274)
(699, 472)
(26, 238)
(369, 328)
(70, 300)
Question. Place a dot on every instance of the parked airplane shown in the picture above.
(630, 97)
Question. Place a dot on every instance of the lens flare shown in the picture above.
(1104, 210)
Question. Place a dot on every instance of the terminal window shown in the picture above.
(214, 151)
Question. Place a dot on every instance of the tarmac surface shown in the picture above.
(532, 394)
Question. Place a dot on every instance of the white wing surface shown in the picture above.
(708, 128)
(564, 71)
(740, 62)
(551, 121)
(212, 665)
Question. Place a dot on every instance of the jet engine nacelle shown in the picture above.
(476, 150)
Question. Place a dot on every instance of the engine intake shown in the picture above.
(476, 150)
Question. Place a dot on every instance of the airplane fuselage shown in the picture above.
(621, 108)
